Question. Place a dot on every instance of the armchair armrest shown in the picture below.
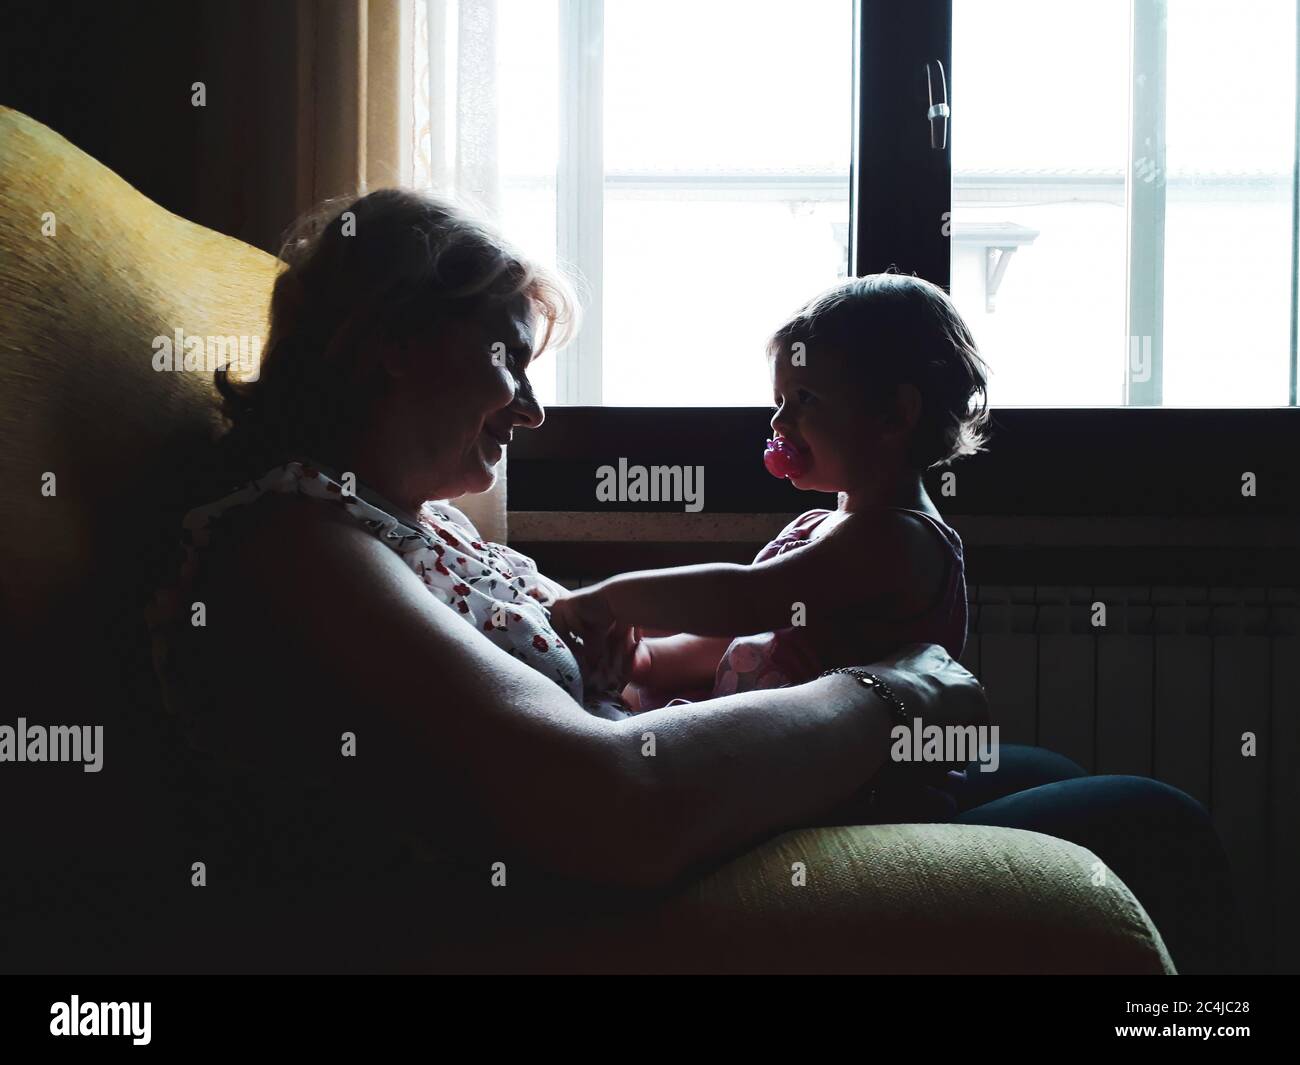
(919, 898)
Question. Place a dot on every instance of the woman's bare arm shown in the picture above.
(635, 802)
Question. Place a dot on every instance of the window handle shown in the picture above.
(939, 112)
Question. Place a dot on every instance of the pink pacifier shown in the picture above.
(783, 459)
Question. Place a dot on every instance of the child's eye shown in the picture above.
(805, 395)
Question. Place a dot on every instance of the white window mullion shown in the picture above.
(441, 95)
(580, 189)
(1295, 232)
(1146, 184)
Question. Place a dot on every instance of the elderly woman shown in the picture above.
(390, 683)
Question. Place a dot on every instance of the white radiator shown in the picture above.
(1167, 689)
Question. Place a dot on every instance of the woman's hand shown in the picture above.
(939, 691)
(934, 686)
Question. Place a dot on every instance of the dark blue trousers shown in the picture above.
(1157, 839)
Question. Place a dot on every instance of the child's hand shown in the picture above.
(607, 666)
(642, 666)
(607, 651)
(584, 615)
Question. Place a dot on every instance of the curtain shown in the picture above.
(401, 92)
(454, 148)
(455, 102)
(355, 96)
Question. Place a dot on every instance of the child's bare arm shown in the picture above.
(677, 663)
(669, 600)
(701, 600)
(866, 561)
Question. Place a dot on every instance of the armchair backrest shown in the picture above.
(96, 280)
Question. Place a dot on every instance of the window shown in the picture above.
(689, 160)
(1161, 135)
(1113, 209)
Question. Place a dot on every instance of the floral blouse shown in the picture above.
(492, 587)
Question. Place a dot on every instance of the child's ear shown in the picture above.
(396, 357)
(907, 407)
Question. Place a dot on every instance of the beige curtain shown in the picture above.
(358, 129)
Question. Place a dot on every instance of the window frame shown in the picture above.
(580, 191)
(1145, 203)
(900, 197)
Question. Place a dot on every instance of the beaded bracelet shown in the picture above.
(870, 680)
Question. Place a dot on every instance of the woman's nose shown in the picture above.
(528, 412)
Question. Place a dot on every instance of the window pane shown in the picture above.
(727, 147)
(527, 102)
(1039, 230)
(727, 132)
(486, 121)
(1228, 226)
(1042, 219)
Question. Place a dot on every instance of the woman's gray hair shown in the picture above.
(390, 266)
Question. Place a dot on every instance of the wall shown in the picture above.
(115, 80)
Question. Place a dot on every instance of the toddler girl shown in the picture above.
(874, 382)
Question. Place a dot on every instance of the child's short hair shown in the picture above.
(895, 329)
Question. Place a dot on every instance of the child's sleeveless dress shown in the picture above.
(791, 656)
